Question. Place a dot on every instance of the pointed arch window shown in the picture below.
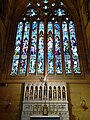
(45, 43)
(58, 52)
(66, 47)
(50, 47)
(17, 48)
(32, 65)
(41, 49)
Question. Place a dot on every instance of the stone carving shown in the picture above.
(27, 93)
(34, 100)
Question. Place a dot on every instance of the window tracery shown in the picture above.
(47, 37)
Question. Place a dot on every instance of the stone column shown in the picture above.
(61, 92)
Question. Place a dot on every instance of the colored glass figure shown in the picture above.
(24, 52)
(66, 48)
(41, 49)
(32, 68)
(16, 55)
(31, 11)
(76, 64)
(45, 1)
(57, 48)
(50, 48)
(59, 12)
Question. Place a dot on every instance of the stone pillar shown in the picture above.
(66, 93)
(61, 92)
(38, 92)
(52, 92)
(47, 92)
(33, 91)
(57, 92)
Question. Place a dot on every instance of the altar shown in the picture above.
(45, 101)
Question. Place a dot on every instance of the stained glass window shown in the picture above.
(50, 48)
(32, 68)
(59, 12)
(66, 47)
(24, 52)
(57, 42)
(75, 59)
(16, 55)
(41, 49)
(45, 46)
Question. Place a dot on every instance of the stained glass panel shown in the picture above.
(76, 64)
(59, 12)
(57, 48)
(45, 1)
(31, 12)
(35, 52)
(50, 48)
(41, 49)
(16, 55)
(32, 68)
(66, 48)
(24, 53)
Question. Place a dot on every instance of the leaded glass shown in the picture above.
(59, 12)
(41, 49)
(66, 48)
(45, 1)
(53, 4)
(31, 12)
(50, 48)
(32, 68)
(24, 52)
(57, 48)
(76, 64)
(45, 52)
(16, 55)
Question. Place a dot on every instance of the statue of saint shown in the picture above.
(54, 93)
(31, 93)
(36, 93)
(27, 93)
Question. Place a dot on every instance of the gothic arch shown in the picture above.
(21, 8)
(70, 6)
